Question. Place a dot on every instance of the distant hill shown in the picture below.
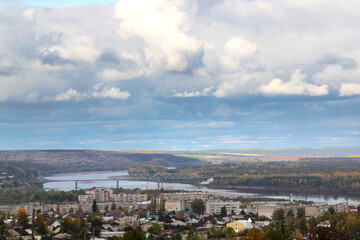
(93, 160)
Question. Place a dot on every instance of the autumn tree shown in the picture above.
(113, 206)
(22, 217)
(255, 234)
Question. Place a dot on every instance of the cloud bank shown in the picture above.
(246, 61)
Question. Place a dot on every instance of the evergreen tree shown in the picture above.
(303, 227)
(223, 211)
(290, 213)
(178, 236)
(94, 206)
(331, 210)
(96, 226)
(300, 212)
(278, 230)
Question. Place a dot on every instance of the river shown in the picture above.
(67, 186)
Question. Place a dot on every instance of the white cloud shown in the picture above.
(162, 25)
(239, 47)
(80, 48)
(113, 92)
(114, 74)
(69, 95)
(236, 84)
(204, 92)
(29, 14)
(349, 89)
(296, 86)
(236, 51)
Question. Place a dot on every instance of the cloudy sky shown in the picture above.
(179, 74)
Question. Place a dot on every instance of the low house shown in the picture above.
(178, 223)
(14, 234)
(261, 224)
(228, 219)
(54, 228)
(107, 235)
(240, 225)
(206, 223)
(325, 224)
(353, 208)
(61, 236)
(185, 213)
(116, 214)
(145, 227)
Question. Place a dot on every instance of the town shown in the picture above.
(102, 214)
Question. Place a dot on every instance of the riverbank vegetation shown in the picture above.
(310, 175)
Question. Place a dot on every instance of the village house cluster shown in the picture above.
(126, 209)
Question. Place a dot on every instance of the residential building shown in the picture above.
(267, 208)
(214, 207)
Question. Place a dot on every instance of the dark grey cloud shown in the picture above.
(53, 58)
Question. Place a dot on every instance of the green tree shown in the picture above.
(43, 229)
(3, 228)
(302, 226)
(291, 223)
(331, 210)
(155, 229)
(96, 226)
(192, 235)
(278, 230)
(290, 213)
(177, 236)
(313, 223)
(300, 213)
(198, 206)
(278, 217)
(223, 211)
(94, 206)
(133, 234)
(274, 232)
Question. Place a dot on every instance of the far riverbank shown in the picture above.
(270, 193)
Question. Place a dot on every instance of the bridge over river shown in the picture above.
(158, 177)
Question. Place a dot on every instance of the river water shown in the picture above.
(67, 186)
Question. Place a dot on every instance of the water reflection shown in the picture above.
(67, 186)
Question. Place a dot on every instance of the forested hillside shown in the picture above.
(56, 161)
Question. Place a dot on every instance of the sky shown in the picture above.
(179, 74)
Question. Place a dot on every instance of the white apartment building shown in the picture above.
(214, 207)
(107, 195)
